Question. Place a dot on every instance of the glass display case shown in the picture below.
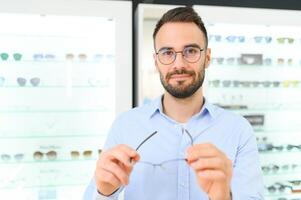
(63, 79)
(255, 71)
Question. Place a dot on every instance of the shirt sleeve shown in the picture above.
(247, 180)
(112, 140)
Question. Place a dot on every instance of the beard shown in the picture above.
(180, 90)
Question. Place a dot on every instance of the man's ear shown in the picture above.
(207, 57)
(155, 61)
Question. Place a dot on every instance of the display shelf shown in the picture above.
(56, 135)
(35, 164)
(50, 186)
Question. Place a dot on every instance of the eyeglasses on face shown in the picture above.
(16, 56)
(34, 81)
(16, 157)
(51, 155)
(190, 54)
(168, 166)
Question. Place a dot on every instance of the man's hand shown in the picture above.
(114, 167)
(212, 168)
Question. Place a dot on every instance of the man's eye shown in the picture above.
(167, 53)
(191, 51)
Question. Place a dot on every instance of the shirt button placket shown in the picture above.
(183, 170)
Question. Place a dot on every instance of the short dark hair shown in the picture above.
(182, 14)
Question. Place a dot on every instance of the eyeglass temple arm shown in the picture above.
(151, 135)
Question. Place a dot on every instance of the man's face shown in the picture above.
(181, 78)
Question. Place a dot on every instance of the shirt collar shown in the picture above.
(156, 107)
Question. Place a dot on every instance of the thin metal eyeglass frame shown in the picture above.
(176, 53)
(160, 164)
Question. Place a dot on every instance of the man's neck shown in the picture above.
(181, 110)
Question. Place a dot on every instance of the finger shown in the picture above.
(121, 156)
(117, 170)
(205, 150)
(216, 163)
(211, 175)
(102, 175)
(128, 150)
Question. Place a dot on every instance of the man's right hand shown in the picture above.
(113, 168)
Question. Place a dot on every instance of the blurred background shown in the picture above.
(67, 68)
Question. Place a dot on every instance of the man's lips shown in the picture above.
(180, 76)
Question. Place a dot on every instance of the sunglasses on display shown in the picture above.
(285, 40)
(283, 61)
(86, 154)
(71, 57)
(263, 39)
(41, 57)
(51, 155)
(216, 38)
(279, 187)
(34, 81)
(2, 80)
(272, 168)
(16, 157)
(234, 38)
(16, 56)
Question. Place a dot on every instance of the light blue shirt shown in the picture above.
(229, 132)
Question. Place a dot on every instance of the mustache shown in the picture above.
(179, 71)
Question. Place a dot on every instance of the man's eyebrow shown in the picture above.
(165, 48)
(192, 45)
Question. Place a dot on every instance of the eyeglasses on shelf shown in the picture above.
(16, 56)
(50, 155)
(16, 157)
(34, 81)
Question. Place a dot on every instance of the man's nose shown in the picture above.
(179, 62)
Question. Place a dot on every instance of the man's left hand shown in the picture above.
(212, 168)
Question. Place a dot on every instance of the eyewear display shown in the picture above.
(234, 38)
(247, 84)
(2, 80)
(16, 56)
(263, 39)
(283, 40)
(34, 81)
(7, 157)
(167, 56)
(40, 57)
(81, 56)
(216, 38)
(86, 154)
(279, 187)
(51, 155)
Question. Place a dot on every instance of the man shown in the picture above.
(179, 146)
